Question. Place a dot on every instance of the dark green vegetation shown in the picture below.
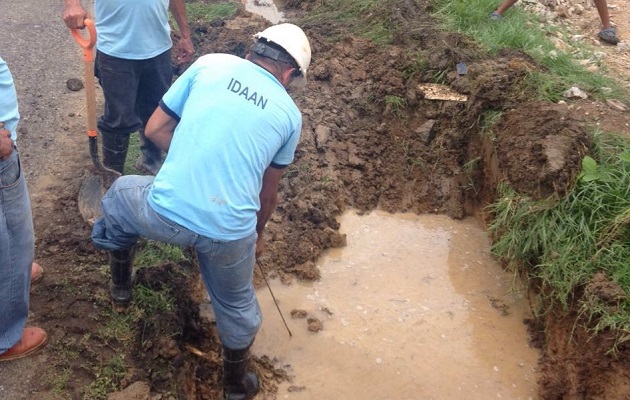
(561, 243)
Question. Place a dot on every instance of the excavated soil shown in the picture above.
(359, 151)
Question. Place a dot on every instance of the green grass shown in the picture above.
(107, 380)
(369, 18)
(155, 253)
(206, 12)
(523, 31)
(149, 253)
(489, 119)
(60, 381)
(119, 326)
(152, 301)
(395, 105)
(147, 311)
(562, 243)
(133, 152)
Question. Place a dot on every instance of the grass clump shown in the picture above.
(107, 380)
(395, 105)
(153, 302)
(133, 152)
(200, 12)
(563, 243)
(154, 253)
(370, 19)
(206, 12)
(60, 381)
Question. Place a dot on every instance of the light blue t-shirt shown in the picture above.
(8, 101)
(132, 29)
(235, 120)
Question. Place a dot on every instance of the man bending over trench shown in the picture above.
(230, 128)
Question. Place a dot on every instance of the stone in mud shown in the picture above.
(298, 314)
(135, 391)
(315, 325)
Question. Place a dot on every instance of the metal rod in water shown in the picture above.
(262, 271)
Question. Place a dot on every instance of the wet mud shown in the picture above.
(358, 150)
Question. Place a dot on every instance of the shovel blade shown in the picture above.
(90, 195)
(92, 190)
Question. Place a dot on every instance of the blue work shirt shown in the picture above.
(9, 113)
(235, 120)
(132, 29)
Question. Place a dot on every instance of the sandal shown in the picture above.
(608, 35)
(495, 16)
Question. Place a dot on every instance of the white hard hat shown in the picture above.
(293, 40)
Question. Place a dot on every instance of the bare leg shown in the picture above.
(608, 33)
(509, 3)
(602, 9)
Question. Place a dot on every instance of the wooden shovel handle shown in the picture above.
(86, 43)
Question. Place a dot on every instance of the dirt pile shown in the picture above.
(371, 139)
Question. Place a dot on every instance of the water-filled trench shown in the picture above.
(414, 307)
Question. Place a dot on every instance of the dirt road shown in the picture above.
(42, 57)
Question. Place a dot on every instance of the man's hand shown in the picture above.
(185, 50)
(184, 47)
(268, 199)
(6, 144)
(260, 246)
(74, 15)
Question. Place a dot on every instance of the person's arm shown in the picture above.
(160, 129)
(268, 199)
(74, 14)
(6, 144)
(184, 47)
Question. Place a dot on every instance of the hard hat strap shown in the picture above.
(267, 51)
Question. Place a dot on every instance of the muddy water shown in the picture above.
(266, 9)
(413, 308)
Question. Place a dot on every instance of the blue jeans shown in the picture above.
(17, 248)
(227, 267)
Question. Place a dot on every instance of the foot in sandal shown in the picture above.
(609, 35)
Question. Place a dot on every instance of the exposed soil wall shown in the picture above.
(358, 150)
(428, 156)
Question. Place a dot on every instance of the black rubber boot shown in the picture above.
(114, 150)
(238, 382)
(121, 265)
(150, 160)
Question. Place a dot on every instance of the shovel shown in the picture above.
(99, 179)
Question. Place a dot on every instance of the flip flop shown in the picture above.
(609, 35)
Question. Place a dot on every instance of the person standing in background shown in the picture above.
(17, 240)
(134, 68)
(608, 33)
